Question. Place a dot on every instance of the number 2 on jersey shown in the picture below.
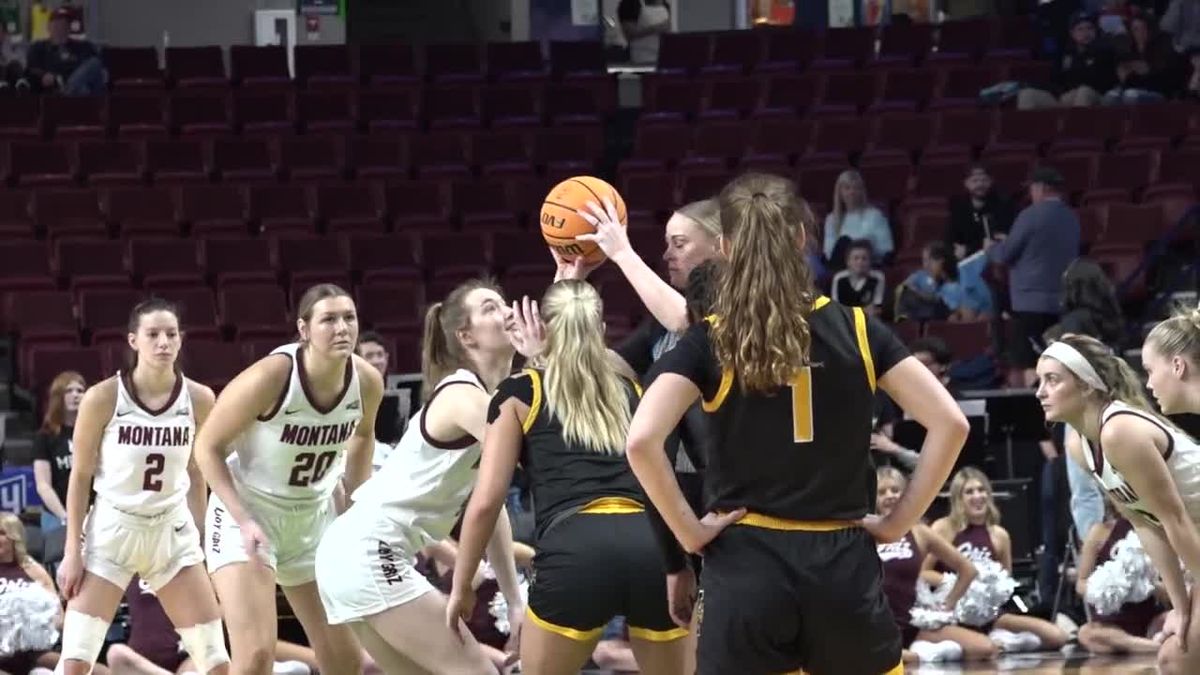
(156, 463)
(802, 407)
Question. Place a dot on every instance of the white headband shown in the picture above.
(1076, 363)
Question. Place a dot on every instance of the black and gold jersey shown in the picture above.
(801, 452)
(562, 476)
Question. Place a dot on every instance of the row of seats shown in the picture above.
(799, 48)
(307, 158)
(206, 113)
(349, 65)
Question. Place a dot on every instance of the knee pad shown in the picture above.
(82, 638)
(205, 643)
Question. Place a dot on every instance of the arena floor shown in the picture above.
(1035, 664)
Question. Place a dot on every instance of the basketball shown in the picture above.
(561, 223)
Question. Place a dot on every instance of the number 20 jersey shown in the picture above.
(144, 453)
(296, 453)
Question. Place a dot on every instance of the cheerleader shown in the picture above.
(364, 565)
(973, 526)
(1149, 468)
(133, 446)
(1130, 629)
(901, 574)
(596, 558)
(286, 437)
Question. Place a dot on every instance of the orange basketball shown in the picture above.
(561, 222)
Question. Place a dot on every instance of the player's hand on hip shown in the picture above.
(710, 526)
(70, 575)
(610, 234)
(526, 331)
(883, 529)
(681, 596)
(459, 606)
(254, 541)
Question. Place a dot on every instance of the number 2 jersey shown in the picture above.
(296, 452)
(800, 452)
(144, 453)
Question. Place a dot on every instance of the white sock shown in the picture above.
(291, 668)
(1029, 642)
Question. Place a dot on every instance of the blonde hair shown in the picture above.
(958, 505)
(1123, 383)
(582, 389)
(764, 294)
(706, 213)
(442, 352)
(14, 529)
(839, 207)
(891, 473)
(1178, 335)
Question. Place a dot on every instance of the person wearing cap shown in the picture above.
(1043, 242)
(1085, 70)
(59, 63)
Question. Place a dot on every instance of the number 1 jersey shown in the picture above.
(800, 452)
(296, 452)
(144, 453)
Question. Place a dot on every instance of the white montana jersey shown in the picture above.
(423, 485)
(1182, 457)
(144, 453)
(297, 454)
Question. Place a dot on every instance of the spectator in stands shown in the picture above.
(643, 21)
(1147, 68)
(52, 447)
(388, 428)
(933, 353)
(12, 61)
(981, 213)
(1082, 74)
(1043, 243)
(72, 67)
(854, 218)
(373, 348)
(934, 291)
(1182, 21)
(859, 285)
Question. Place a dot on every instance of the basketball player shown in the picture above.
(902, 570)
(365, 561)
(973, 526)
(787, 381)
(566, 423)
(287, 434)
(1171, 358)
(1148, 467)
(133, 445)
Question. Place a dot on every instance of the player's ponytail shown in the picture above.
(582, 389)
(1178, 336)
(442, 352)
(765, 291)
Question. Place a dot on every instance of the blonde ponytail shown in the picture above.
(582, 389)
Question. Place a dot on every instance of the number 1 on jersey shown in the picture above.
(802, 408)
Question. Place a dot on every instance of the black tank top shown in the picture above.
(901, 568)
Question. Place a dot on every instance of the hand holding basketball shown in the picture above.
(565, 216)
(610, 233)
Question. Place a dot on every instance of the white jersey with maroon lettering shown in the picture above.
(424, 484)
(144, 453)
(297, 453)
(1182, 458)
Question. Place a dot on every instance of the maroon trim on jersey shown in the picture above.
(127, 379)
(308, 392)
(458, 444)
(282, 393)
(1139, 415)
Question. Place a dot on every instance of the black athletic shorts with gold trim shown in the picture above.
(596, 564)
(778, 596)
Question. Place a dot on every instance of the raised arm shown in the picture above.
(203, 400)
(360, 449)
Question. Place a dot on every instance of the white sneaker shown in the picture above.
(1007, 641)
(1028, 642)
(291, 668)
(934, 652)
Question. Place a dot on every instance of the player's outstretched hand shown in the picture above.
(575, 268)
(681, 596)
(526, 331)
(70, 575)
(459, 607)
(710, 526)
(610, 234)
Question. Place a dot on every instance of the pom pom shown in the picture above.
(979, 606)
(27, 617)
(498, 607)
(1127, 577)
